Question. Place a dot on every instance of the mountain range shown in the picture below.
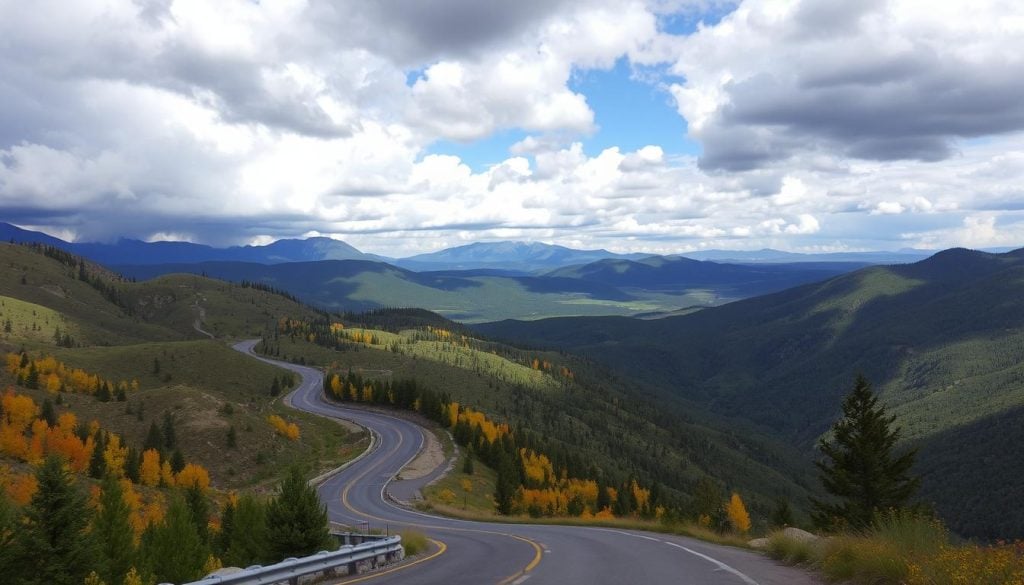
(520, 280)
(942, 339)
(520, 257)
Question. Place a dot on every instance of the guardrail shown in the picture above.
(371, 554)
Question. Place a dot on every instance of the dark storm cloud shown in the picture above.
(901, 109)
(414, 31)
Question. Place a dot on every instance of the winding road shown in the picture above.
(474, 553)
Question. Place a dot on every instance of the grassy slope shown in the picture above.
(941, 339)
(197, 376)
(662, 442)
(475, 297)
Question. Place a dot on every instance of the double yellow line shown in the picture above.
(442, 547)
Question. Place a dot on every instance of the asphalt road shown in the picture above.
(474, 553)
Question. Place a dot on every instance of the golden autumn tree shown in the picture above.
(149, 469)
(739, 519)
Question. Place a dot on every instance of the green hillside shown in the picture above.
(609, 287)
(144, 333)
(587, 420)
(942, 339)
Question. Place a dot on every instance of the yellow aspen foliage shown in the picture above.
(193, 475)
(154, 511)
(19, 410)
(336, 385)
(115, 455)
(12, 442)
(67, 421)
(447, 496)
(537, 466)
(52, 383)
(453, 414)
(132, 578)
(36, 448)
(166, 474)
(285, 429)
(12, 363)
(604, 514)
(212, 564)
(737, 513)
(22, 488)
(641, 495)
(490, 430)
(94, 579)
(149, 469)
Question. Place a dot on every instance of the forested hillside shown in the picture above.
(942, 338)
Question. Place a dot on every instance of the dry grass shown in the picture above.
(903, 549)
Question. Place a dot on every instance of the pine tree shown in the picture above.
(227, 528)
(154, 438)
(97, 463)
(275, 388)
(467, 465)
(54, 547)
(177, 461)
(199, 510)
(112, 531)
(232, 437)
(782, 515)
(170, 437)
(48, 414)
(172, 548)
(860, 469)
(248, 542)
(8, 525)
(296, 520)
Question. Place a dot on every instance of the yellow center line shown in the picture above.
(538, 552)
(441, 547)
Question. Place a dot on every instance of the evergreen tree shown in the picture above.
(296, 520)
(199, 511)
(172, 549)
(131, 464)
(707, 498)
(232, 437)
(167, 430)
(47, 413)
(860, 469)
(467, 465)
(97, 464)
(154, 438)
(227, 529)
(8, 546)
(177, 461)
(782, 514)
(506, 484)
(53, 547)
(112, 532)
(275, 388)
(248, 541)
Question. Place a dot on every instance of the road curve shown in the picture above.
(475, 553)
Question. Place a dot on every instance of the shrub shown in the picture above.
(413, 542)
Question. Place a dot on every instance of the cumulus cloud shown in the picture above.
(241, 122)
(893, 80)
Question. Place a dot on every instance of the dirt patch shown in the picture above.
(430, 457)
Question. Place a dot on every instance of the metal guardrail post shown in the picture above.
(379, 551)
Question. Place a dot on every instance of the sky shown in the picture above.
(403, 126)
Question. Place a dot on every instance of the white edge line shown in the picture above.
(717, 562)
